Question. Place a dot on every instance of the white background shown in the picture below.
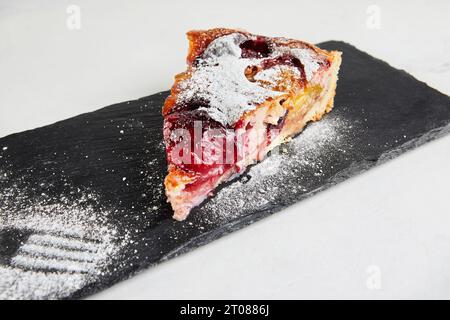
(383, 234)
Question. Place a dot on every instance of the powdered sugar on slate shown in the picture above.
(279, 172)
(67, 245)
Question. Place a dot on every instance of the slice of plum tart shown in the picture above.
(241, 96)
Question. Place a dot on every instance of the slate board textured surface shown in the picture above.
(82, 204)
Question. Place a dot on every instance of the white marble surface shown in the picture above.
(383, 234)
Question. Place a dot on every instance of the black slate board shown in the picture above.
(112, 160)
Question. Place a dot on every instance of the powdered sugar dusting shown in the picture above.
(306, 57)
(219, 79)
(310, 64)
(16, 283)
(64, 245)
(274, 74)
(280, 172)
(91, 255)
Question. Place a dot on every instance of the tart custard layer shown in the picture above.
(241, 96)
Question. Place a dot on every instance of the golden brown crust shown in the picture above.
(171, 100)
(177, 177)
